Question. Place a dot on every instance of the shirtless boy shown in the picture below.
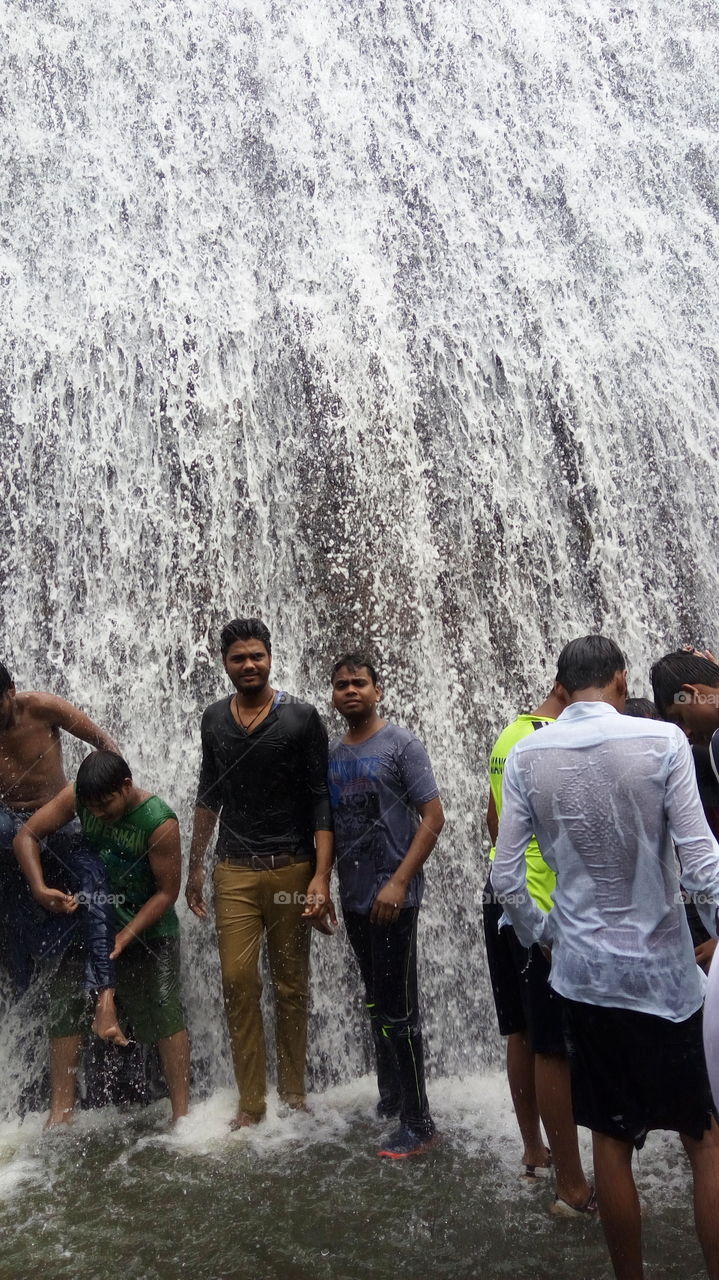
(31, 774)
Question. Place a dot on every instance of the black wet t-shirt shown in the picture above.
(269, 786)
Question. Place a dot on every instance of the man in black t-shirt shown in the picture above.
(264, 775)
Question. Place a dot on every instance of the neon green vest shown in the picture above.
(540, 878)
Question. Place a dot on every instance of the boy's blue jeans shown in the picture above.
(28, 933)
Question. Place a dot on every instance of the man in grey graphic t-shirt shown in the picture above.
(387, 816)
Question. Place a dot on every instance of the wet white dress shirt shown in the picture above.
(610, 798)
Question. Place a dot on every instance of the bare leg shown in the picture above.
(175, 1058)
(520, 1074)
(64, 1062)
(554, 1096)
(704, 1157)
(105, 1023)
(618, 1201)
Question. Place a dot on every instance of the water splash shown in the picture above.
(396, 324)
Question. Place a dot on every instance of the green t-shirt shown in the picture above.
(123, 849)
(540, 878)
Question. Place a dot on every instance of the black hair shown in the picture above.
(677, 669)
(641, 709)
(6, 680)
(353, 662)
(100, 775)
(589, 662)
(244, 629)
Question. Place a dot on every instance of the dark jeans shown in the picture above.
(28, 933)
(387, 958)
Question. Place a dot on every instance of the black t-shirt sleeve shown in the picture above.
(208, 789)
(315, 756)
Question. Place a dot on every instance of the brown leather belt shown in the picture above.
(266, 862)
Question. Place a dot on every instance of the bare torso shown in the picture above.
(31, 768)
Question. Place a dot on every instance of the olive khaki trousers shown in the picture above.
(248, 903)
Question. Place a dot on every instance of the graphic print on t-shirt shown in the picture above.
(356, 807)
(375, 789)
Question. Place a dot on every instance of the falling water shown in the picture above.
(393, 323)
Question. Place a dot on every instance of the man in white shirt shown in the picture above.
(608, 797)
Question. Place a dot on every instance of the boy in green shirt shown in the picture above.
(137, 837)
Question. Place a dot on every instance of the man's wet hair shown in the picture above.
(6, 680)
(677, 669)
(244, 629)
(590, 662)
(100, 775)
(353, 662)
(642, 709)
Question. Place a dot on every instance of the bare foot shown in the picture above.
(56, 1118)
(105, 1023)
(243, 1120)
(299, 1105)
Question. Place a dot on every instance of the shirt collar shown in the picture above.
(585, 710)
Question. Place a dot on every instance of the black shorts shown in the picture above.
(632, 1072)
(523, 997)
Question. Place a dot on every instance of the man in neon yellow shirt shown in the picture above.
(528, 1012)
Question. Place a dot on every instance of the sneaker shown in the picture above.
(405, 1142)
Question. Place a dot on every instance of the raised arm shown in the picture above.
(62, 715)
(165, 860)
(26, 847)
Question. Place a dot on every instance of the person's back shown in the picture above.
(604, 792)
(598, 796)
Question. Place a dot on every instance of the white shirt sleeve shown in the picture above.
(696, 847)
(509, 869)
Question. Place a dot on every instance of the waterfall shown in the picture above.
(392, 323)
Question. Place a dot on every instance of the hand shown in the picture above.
(319, 903)
(699, 653)
(388, 903)
(704, 952)
(194, 894)
(122, 940)
(55, 901)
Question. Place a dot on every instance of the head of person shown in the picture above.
(246, 650)
(686, 691)
(104, 786)
(641, 709)
(356, 690)
(593, 668)
(7, 697)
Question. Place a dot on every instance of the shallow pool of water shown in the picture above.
(305, 1198)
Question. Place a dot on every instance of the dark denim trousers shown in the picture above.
(387, 958)
(28, 933)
